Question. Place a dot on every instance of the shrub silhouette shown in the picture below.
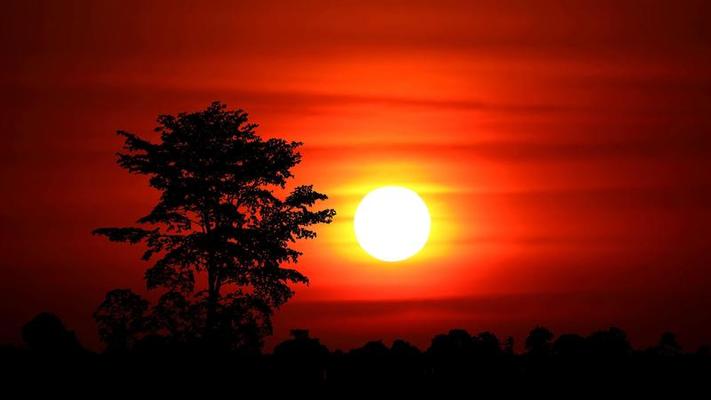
(45, 334)
(219, 215)
(121, 319)
(570, 345)
(609, 343)
(538, 342)
(668, 345)
(601, 361)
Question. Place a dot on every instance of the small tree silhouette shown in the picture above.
(121, 319)
(668, 345)
(46, 334)
(609, 343)
(538, 342)
(219, 215)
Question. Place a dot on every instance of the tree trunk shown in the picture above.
(213, 289)
(213, 296)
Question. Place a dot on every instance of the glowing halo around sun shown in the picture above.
(392, 223)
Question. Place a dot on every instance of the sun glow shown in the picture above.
(392, 223)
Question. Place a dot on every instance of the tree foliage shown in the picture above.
(224, 213)
(121, 319)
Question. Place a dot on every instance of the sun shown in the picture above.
(392, 223)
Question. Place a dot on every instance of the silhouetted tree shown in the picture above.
(172, 317)
(487, 345)
(570, 345)
(456, 360)
(456, 343)
(509, 345)
(301, 359)
(46, 334)
(301, 346)
(451, 354)
(219, 213)
(121, 319)
(610, 343)
(668, 345)
(404, 350)
(704, 351)
(538, 341)
(373, 350)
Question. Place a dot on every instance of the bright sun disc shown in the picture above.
(392, 223)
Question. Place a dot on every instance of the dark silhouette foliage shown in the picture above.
(600, 362)
(121, 319)
(538, 342)
(220, 214)
(570, 345)
(301, 359)
(220, 242)
(668, 345)
(45, 334)
(609, 343)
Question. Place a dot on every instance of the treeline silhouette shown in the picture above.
(220, 242)
(455, 358)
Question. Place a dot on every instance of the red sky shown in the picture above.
(563, 149)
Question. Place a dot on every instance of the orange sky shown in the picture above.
(562, 147)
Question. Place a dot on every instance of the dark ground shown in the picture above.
(602, 363)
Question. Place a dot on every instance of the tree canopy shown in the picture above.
(224, 213)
